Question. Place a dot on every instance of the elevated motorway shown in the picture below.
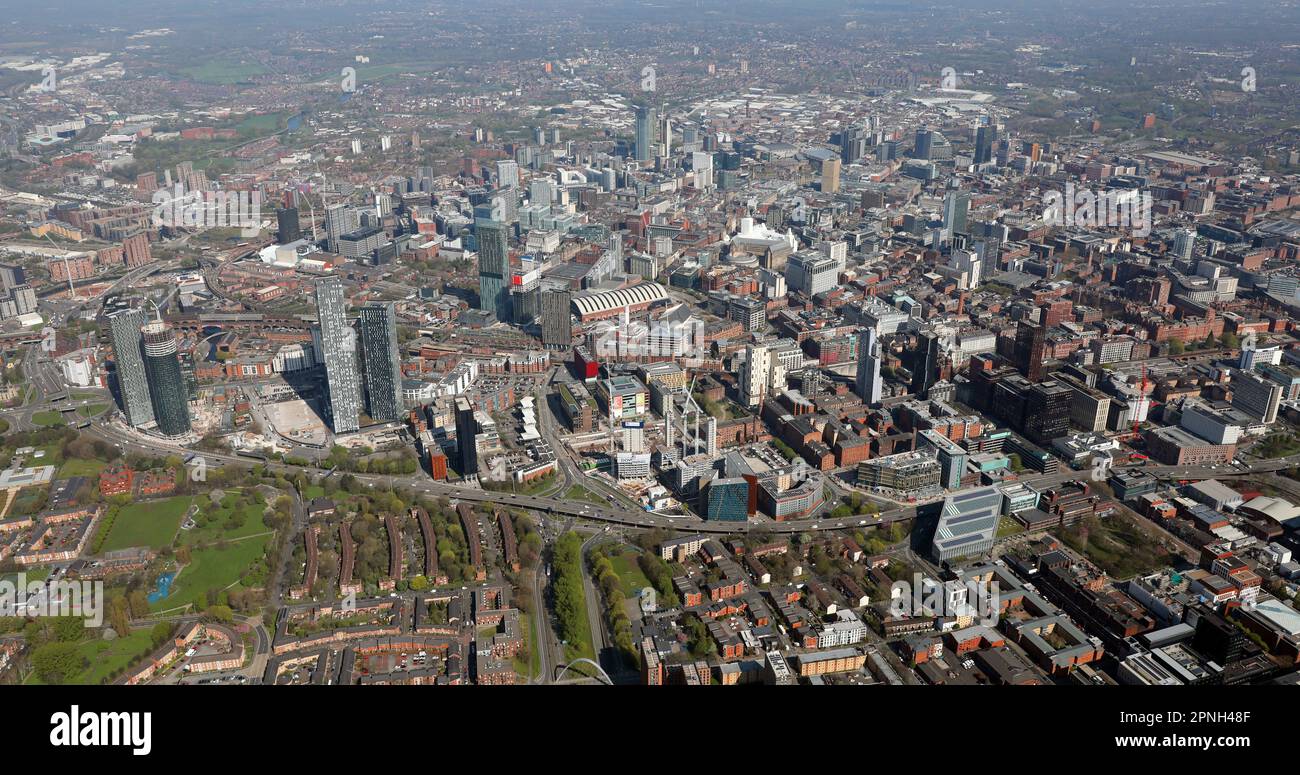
(132, 441)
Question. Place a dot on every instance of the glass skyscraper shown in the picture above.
(167, 389)
(557, 323)
(493, 269)
(336, 345)
(646, 118)
(128, 355)
(381, 361)
(868, 381)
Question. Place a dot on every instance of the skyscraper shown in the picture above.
(1184, 244)
(1031, 345)
(985, 136)
(968, 261)
(336, 343)
(956, 205)
(466, 433)
(340, 219)
(507, 174)
(381, 362)
(287, 221)
(1047, 412)
(924, 144)
(128, 355)
(646, 118)
(868, 382)
(925, 362)
(167, 390)
(493, 269)
(830, 176)
(853, 144)
(557, 323)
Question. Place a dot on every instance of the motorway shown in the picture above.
(130, 440)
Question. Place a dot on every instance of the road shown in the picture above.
(130, 440)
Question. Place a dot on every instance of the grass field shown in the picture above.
(91, 410)
(578, 492)
(147, 523)
(527, 670)
(630, 577)
(49, 418)
(77, 467)
(1008, 526)
(215, 518)
(106, 656)
(212, 568)
(216, 71)
(260, 125)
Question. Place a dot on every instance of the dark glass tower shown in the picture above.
(167, 390)
(380, 361)
(925, 363)
(287, 221)
(132, 381)
(493, 269)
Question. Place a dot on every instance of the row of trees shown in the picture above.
(611, 590)
(568, 598)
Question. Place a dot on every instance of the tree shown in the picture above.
(221, 613)
(1176, 347)
(160, 633)
(55, 663)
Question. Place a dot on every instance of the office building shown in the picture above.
(646, 118)
(336, 345)
(923, 145)
(811, 273)
(956, 206)
(1184, 244)
(985, 136)
(340, 219)
(168, 393)
(1256, 395)
(128, 357)
(727, 500)
(925, 363)
(869, 382)
(968, 524)
(1031, 346)
(381, 363)
(1047, 411)
(970, 263)
(288, 229)
(830, 176)
(903, 472)
(952, 458)
(494, 269)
